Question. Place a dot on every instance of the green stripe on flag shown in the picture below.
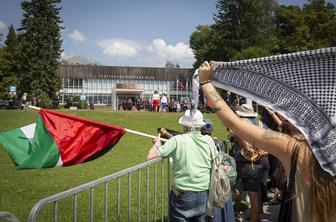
(16, 144)
(41, 153)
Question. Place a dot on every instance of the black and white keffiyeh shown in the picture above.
(194, 96)
(299, 86)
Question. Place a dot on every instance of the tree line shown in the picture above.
(242, 29)
(29, 58)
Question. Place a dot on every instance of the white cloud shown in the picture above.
(171, 52)
(119, 48)
(78, 58)
(2, 25)
(154, 54)
(77, 37)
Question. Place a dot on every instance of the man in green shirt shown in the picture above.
(191, 168)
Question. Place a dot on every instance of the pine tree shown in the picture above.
(11, 41)
(40, 47)
(8, 63)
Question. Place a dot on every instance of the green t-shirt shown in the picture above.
(191, 160)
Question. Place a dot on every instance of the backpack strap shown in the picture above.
(212, 151)
(210, 207)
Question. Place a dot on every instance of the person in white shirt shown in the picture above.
(163, 102)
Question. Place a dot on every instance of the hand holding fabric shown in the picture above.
(205, 71)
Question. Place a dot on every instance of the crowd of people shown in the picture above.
(158, 103)
(23, 102)
(251, 183)
(265, 149)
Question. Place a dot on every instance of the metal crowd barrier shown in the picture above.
(74, 192)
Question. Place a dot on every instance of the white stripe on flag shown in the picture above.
(29, 131)
(59, 162)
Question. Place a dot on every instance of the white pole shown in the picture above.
(34, 107)
(144, 134)
(127, 130)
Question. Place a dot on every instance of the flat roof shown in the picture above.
(125, 73)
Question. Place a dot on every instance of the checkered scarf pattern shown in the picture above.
(299, 86)
(194, 96)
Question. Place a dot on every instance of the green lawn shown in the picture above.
(21, 189)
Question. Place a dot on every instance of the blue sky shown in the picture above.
(127, 32)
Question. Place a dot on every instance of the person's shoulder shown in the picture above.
(209, 139)
(183, 136)
(178, 137)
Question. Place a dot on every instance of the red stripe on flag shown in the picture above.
(79, 139)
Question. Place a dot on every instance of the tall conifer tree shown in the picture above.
(40, 47)
(8, 63)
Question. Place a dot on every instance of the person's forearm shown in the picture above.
(268, 140)
(228, 117)
(153, 153)
(222, 110)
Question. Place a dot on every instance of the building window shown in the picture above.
(80, 83)
(75, 81)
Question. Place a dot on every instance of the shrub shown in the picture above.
(45, 101)
(82, 105)
(76, 99)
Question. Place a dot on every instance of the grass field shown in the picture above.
(21, 189)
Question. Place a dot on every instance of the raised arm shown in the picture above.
(273, 142)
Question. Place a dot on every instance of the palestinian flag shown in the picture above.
(58, 139)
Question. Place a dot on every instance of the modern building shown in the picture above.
(108, 85)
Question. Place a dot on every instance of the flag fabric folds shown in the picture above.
(58, 139)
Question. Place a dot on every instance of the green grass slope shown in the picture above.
(21, 189)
